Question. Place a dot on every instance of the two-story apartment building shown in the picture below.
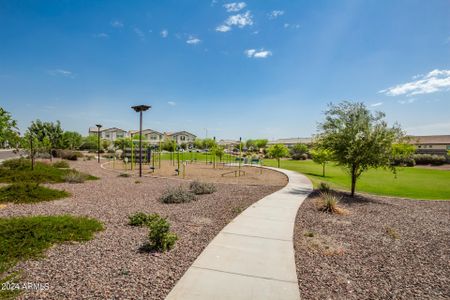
(181, 137)
(152, 136)
(110, 134)
(431, 144)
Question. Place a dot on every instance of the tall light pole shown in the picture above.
(98, 141)
(140, 109)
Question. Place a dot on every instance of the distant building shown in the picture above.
(150, 135)
(110, 134)
(181, 137)
(228, 143)
(431, 144)
(289, 142)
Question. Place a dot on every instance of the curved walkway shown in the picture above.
(253, 256)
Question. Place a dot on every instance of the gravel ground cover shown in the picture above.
(112, 266)
(206, 172)
(382, 248)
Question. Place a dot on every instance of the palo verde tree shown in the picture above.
(321, 156)
(278, 151)
(9, 135)
(71, 140)
(52, 131)
(359, 139)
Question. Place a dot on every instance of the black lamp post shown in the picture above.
(140, 109)
(98, 141)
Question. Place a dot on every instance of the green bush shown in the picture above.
(177, 195)
(124, 175)
(17, 164)
(160, 237)
(299, 152)
(324, 187)
(140, 218)
(61, 164)
(29, 193)
(429, 159)
(200, 188)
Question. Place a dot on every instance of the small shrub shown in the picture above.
(324, 187)
(237, 210)
(89, 157)
(124, 175)
(137, 181)
(392, 233)
(160, 237)
(29, 193)
(61, 164)
(68, 154)
(429, 159)
(309, 234)
(140, 219)
(17, 164)
(328, 203)
(200, 188)
(177, 195)
(74, 177)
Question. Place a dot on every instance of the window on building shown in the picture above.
(182, 138)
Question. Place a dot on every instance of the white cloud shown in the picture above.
(223, 28)
(235, 6)
(407, 101)
(240, 20)
(193, 40)
(253, 53)
(434, 81)
(116, 24)
(61, 72)
(171, 103)
(164, 33)
(101, 35)
(376, 104)
(275, 14)
(139, 33)
(294, 26)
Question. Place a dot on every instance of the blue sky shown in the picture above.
(252, 69)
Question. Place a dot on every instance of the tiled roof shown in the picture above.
(430, 139)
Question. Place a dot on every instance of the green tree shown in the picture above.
(358, 139)
(250, 144)
(278, 151)
(298, 151)
(71, 140)
(52, 131)
(218, 151)
(321, 156)
(261, 143)
(208, 143)
(402, 153)
(9, 135)
(89, 143)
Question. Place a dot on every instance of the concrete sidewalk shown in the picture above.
(253, 256)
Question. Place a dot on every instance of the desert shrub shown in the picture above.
(200, 188)
(17, 164)
(140, 219)
(429, 159)
(324, 187)
(89, 157)
(177, 195)
(67, 154)
(392, 233)
(328, 202)
(124, 175)
(61, 164)
(299, 151)
(29, 193)
(74, 177)
(404, 162)
(160, 238)
(309, 234)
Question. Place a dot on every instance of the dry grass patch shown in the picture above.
(328, 202)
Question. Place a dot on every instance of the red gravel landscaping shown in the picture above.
(381, 249)
(112, 266)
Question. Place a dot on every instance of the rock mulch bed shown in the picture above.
(112, 266)
(382, 249)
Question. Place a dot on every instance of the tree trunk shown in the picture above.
(278, 162)
(353, 180)
(323, 170)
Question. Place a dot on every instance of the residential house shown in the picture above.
(431, 144)
(181, 137)
(152, 136)
(289, 142)
(110, 134)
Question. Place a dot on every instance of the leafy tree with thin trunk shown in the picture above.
(278, 151)
(359, 139)
(321, 156)
(71, 140)
(9, 133)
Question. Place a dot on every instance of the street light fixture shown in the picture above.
(140, 109)
(98, 141)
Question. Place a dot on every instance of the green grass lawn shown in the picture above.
(23, 238)
(415, 183)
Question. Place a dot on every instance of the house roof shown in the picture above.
(178, 133)
(430, 139)
(292, 141)
(144, 131)
(95, 129)
(228, 142)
